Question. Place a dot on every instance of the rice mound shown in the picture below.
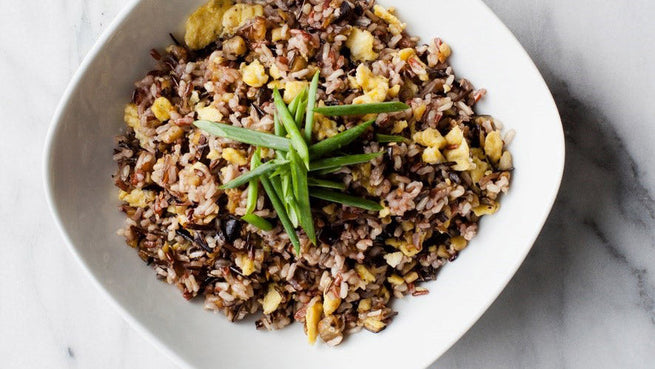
(435, 186)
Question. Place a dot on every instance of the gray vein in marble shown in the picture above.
(589, 135)
(609, 153)
(647, 301)
(603, 147)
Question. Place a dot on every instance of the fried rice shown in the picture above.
(434, 186)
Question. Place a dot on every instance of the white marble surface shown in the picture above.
(585, 297)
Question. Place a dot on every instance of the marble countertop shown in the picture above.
(584, 298)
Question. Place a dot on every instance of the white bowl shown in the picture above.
(78, 168)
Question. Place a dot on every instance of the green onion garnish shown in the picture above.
(293, 211)
(341, 161)
(276, 183)
(244, 135)
(361, 109)
(289, 123)
(285, 179)
(290, 201)
(301, 108)
(281, 177)
(301, 192)
(314, 182)
(327, 171)
(258, 222)
(281, 213)
(311, 102)
(344, 199)
(280, 171)
(254, 173)
(279, 128)
(382, 138)
(338, 141)
(285, 191)
(251, 202)
(293, 105)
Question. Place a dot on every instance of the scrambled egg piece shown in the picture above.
(374, 324)
(233, 199)
(360, 43)
(209, 113)
(418, 111)
(395, 26)
(364, 273)
(188, 176)
(234, 156)
(484, 209)
(330, 303)
(375, 87)
(131, 118)
(275, 72)
(161, 108)
(385, 210)
(481, 166)
(362, 173)
(364, 305)
(278, 34)
(405, 245)
(430, 137)
(432, 155)
(433, 141)
(324, 127)
(393, 91)
(172, 134)
(213, 154)
(176, 209)
(238, 14)
(246, 264)
(312, 318)
(394, 258)
(292, 89)
(226, 97)
(411, 277)
(395, 279)
(276, 84)
(404, 54)
(493, 146)
(205, 24)
(267, 153)
(232, 48)
(444, 52)
(254, 74)
(460, 154)
(455, 136)
(399, 126)
(272, 300)
(137, 198)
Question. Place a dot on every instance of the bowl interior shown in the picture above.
(83, 198)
